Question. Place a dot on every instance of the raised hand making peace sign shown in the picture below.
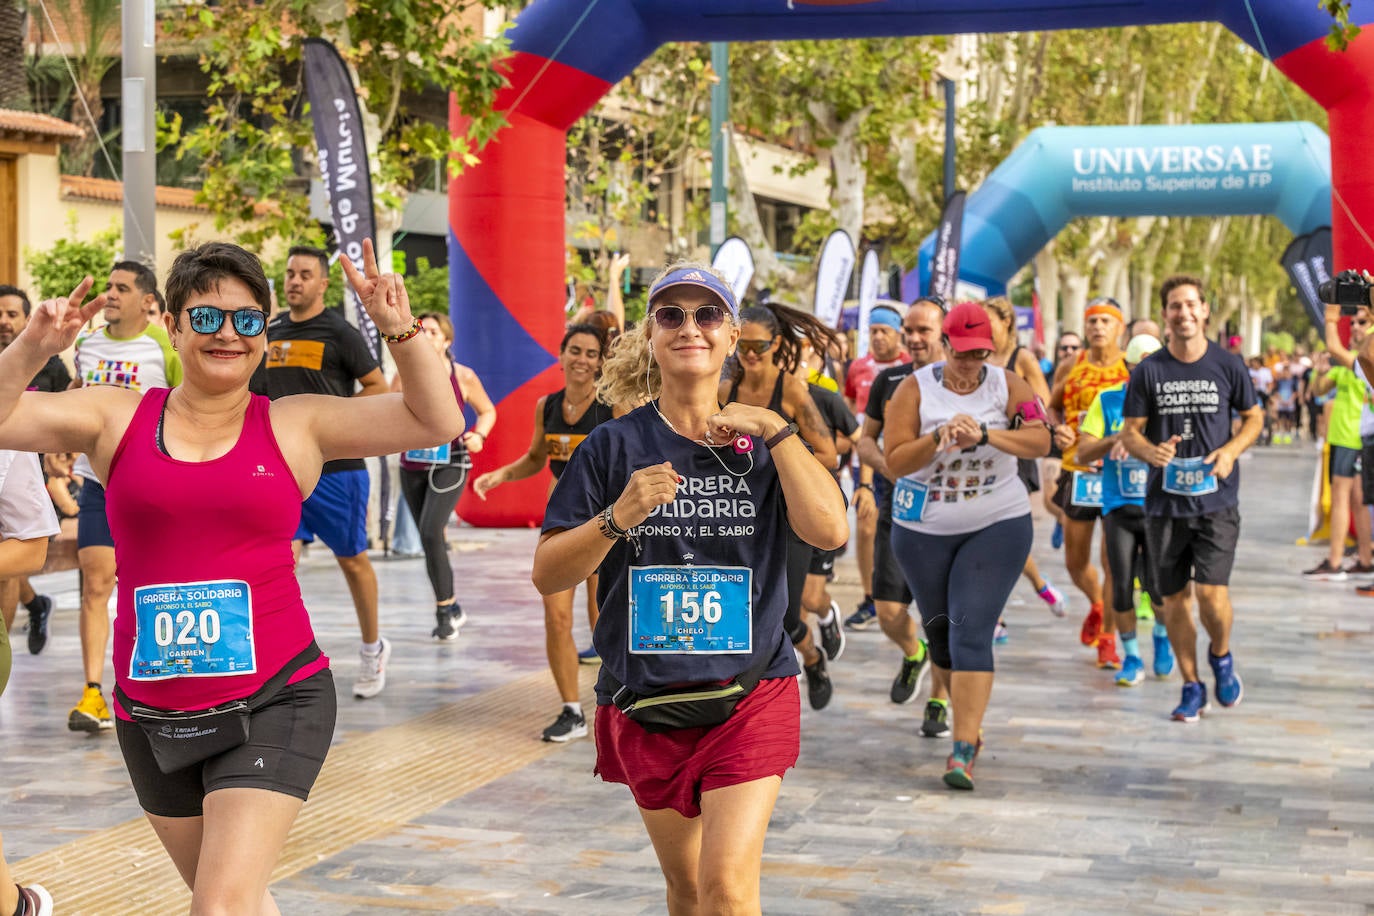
(55, 323)
(384, 296)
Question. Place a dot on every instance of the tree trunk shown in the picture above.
(1047, 284)
(768, 271)
(1075, 285)
(14, 85)
(847, 167)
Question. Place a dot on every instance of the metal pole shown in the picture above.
(139, 101)
(948, 85)
(720, 147)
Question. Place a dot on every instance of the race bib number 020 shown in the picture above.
(194, 629)
(701, 610)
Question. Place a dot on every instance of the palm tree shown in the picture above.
(14, 84)
(91, 32)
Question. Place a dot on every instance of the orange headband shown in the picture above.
(1104, 308)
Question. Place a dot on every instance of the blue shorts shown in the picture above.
(336, 513)
(92, 527)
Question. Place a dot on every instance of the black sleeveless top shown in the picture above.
(774, 402)
(561, 437)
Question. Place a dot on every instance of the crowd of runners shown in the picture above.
(700, 462)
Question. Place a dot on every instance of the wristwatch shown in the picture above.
(789, 430)
(984, 439)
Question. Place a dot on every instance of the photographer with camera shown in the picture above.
(1344, 443)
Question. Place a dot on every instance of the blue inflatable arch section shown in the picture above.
(506, 248)
(1063, 173)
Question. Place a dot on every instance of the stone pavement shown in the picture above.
(438, 797)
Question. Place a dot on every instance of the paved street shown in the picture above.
(438, 796)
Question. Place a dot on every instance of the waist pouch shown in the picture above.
(180, 739)
(691, 707)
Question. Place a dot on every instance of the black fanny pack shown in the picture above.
(180, 739)
(692, 707)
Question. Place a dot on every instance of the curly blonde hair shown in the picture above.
(629, 376)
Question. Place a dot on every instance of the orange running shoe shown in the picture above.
(1092, 625)
(1106, 652)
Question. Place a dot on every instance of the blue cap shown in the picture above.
(695, 276)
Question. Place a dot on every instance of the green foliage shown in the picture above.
(1343, 32)
(426, 285)
(254, 129)
(60, 269)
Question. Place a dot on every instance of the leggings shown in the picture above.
(1128, 556)
(961, 583)
(432, 496)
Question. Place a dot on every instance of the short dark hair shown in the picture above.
(200, 270)
(1174, 282)
(144, 278)
(7, 290)
(160, 300)
(593, 330)
(307, 251)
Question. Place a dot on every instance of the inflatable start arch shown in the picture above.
(506, 247)
(1062, 173)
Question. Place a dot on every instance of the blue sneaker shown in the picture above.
(1057, 536)
(1193, 704)
(1229, 687)
(588, 656)
(1164, 654)
(1132, 672)
(863, 617)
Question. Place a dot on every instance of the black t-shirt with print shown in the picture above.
(718, 520)
(321, 355)
(1194, 401)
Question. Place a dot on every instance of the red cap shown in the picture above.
(968, 328)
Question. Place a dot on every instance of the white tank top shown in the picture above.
(973, 488)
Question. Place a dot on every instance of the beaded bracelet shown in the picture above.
(415, 328)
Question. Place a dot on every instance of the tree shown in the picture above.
(252, 140)
(93, 27)
(1342, 30)
(57, 270)
(14, 86)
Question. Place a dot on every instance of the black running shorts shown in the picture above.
(1201, 549)
(287, 743)
(1063, 498)
(888, 582)
(1345, 462)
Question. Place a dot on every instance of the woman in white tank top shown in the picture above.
(961, 527)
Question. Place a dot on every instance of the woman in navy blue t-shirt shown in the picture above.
(684, 506)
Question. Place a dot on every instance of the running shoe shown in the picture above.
(1360, 569)
(567, 727)
(588, 656)
(832, 634)
(1229, 687)
(1132, 671)
(39, 613)
(818, 687)
(863, 617)
(1054, 598)
(1325, 572)
(909, 679)
(936, 721)
(91, 714)
(372, 671)
(1000, 636)
(1365, 590)
(34, 900)
(1057, 536)
(1193, 704)
(1106, 652)
(1164, 654)
(1092, 626)
(450, 618)
(959, 767)
(1144, 610)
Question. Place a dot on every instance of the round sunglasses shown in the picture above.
(706, 317)
(207, 319)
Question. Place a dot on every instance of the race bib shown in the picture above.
(909, 500)
(698, 610)
(1087, 490)
(1131, 477)
(196, 629)
(1189, 477)
(440, 454)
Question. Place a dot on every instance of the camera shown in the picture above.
(1348, 289)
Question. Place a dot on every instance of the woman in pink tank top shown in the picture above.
(225, 704)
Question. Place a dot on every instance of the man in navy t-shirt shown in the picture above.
(1178, 420)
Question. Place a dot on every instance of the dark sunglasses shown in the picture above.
(207, 319)
(671, 317)
(1064, 347)
(757, 347)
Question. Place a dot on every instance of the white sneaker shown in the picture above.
(36, 899)
(372, 672)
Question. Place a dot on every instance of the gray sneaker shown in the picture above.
(372, 672)
(909, 679)
(567, 727)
